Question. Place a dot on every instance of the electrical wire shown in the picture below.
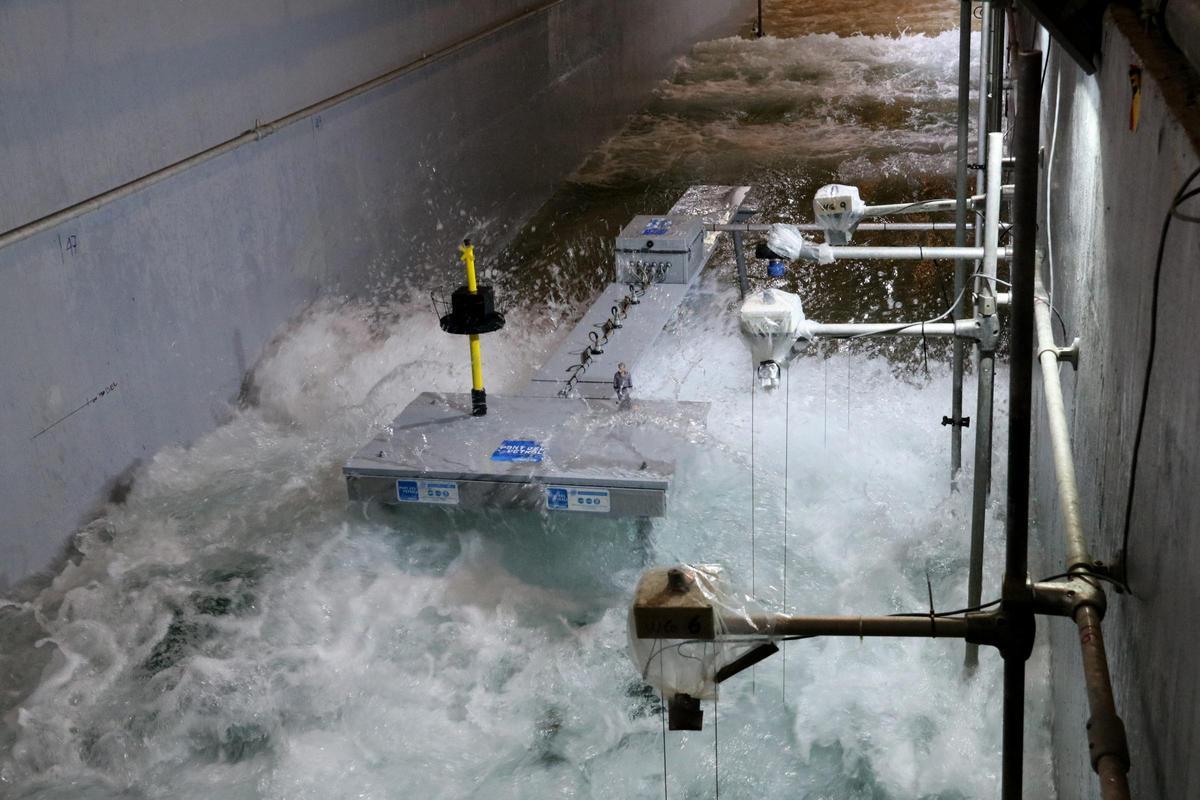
(954, 613)
(938, 318)
(1088, 575)
(1180, 197)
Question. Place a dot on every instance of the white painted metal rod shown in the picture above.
(1060, 438)
(847, 330)
(759, 227)
(930, 206)
(917, 253)
(991, 213)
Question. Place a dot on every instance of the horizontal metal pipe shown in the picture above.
(258, 132)
(929, 206)
(760, 227)
(846, 330)
(917, 253)
(785, 625)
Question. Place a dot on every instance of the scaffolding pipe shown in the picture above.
(960, 234)
(929, 206)
(1016, 597)
(922, 625)
(996, 62)
(984, 396)
(921, 253)
(850, 330)
(1107, 743)
(760, 227)
(258, 132)
(1060, 439)
(1110, 751)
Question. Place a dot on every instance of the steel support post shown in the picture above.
(960, 235)
(986, 310)
(1017, 598)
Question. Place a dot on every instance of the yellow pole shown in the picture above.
(467, 255)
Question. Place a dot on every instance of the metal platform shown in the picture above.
(626, 345)
(562, 445)
(532, 453)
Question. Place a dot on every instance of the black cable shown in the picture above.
(1087, 574)
(949, 613)
(1180, 196)
(1046, 65)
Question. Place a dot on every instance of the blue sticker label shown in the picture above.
(525, 450)
(657, 227)
(556, 498)
(408, 492)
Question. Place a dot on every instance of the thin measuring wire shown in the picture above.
(753, 503)
(825, 417)
(787, 413)
(716, 748)
(662, 713)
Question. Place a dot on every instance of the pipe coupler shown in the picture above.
(1106, 739)
(1064, 598)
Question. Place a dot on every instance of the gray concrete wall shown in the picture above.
(1110, 189)
(172, 293)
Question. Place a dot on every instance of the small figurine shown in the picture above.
(622, 384)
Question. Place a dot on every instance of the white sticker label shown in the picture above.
(577, 498)
(438, 492)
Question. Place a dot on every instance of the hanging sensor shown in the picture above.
(772, 320)
(684, 713)
(838, 210)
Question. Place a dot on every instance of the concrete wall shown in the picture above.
(170, 294)
(1110, 188)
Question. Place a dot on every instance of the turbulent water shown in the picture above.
(235, 629)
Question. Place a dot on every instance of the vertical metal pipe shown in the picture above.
(960, 233)
(996, 63)
(986, 378)
(759, 33)
(1014, 728)
(1015, 592)
(981, 118)
(1021, 324)
(986, 370)
(1106, 732)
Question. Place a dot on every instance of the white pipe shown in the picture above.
(991, 213)
(930, 206)
(919, 253)
(847, 330)
(1060, 438)
(760, 227)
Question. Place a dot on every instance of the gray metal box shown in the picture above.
(671, 242)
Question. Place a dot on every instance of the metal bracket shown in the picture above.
(1070, 353)
(1063, 598)
(1011, 631)
(961, 422)
(984, 329)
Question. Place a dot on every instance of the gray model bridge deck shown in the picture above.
(575, 450)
